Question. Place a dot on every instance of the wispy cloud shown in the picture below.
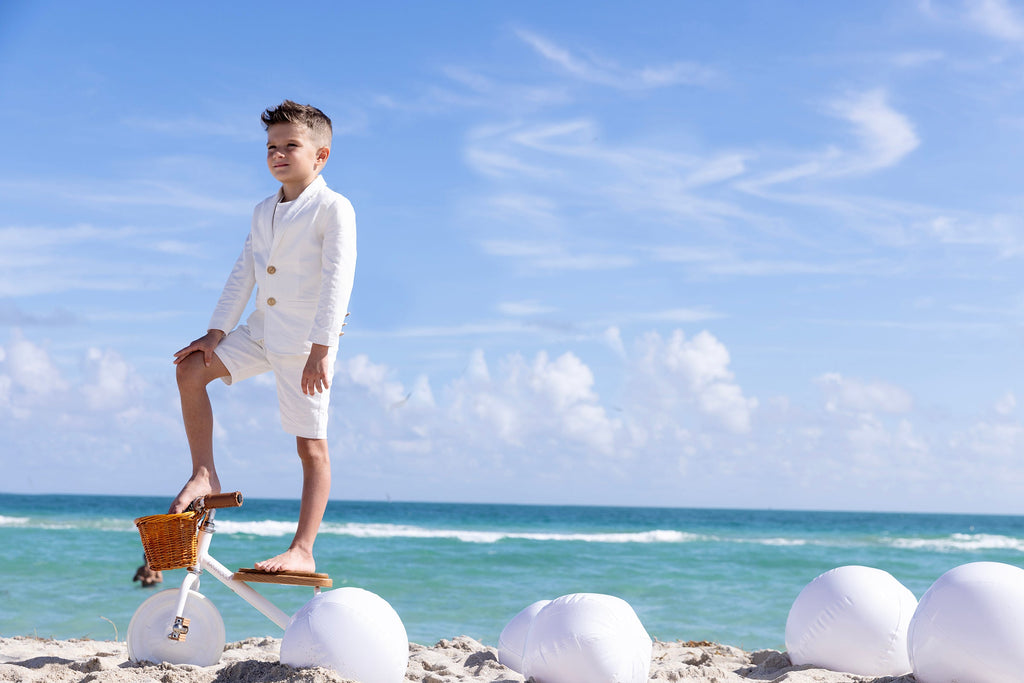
(47, 260)
(996, 18)
(524, 308)
(916, 58)
(158, 193)
(15, 316)
(593, 69)
(461, 330)
(886, 135)
(551, 256)
(131, 192)
(853, 394)
(728, 262)
(191, 126)
(571, 162)
(676, 316)
(463, 87)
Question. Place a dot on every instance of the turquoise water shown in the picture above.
(450, 569)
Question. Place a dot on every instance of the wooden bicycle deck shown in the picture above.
(287, 578)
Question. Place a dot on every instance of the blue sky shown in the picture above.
(737, 254)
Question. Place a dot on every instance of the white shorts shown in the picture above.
(301, 414)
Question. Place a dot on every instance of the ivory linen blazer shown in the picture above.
(301, 258)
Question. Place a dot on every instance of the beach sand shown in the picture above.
(462, 659)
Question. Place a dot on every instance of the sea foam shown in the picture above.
(357, 530)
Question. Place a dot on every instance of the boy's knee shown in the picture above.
(191, 371)
(313, 451)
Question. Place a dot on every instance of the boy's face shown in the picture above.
(292, 156)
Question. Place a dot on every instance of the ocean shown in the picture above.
(465, 569)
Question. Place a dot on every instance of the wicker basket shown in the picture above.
(169, 540)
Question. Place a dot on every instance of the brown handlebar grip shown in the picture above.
(223, 500)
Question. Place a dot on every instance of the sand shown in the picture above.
(463, 659)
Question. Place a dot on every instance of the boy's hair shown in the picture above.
(319, 123)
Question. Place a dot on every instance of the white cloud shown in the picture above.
(612, 336)
(500, 164)
(524, 308)
(879, 451)
(600, 71)
(1006, 404)
(552, 256)
(477, 371)
(997, 18)
(1003, 233)
(846, 394)
(552, 171)
(110, 382)
(917, 58)
(992, 446)
(886, 135)
(520, 428)
(41, 260)
(461, 330)
(31, 369)
(676, 315)
(193, 126)
(528, 403)
(374, 378)
(679, 371)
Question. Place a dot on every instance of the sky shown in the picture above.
(686, 254)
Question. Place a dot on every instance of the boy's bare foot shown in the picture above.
(199, 485)
(291, 560)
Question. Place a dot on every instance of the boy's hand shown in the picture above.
(314, 375)
(205, 344)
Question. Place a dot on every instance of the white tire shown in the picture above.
(152, 621)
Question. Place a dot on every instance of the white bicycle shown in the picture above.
(181, 625)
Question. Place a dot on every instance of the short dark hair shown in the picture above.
(319, 123)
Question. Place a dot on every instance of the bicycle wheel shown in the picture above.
(148, 629)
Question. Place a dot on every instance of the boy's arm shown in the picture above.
(338, 266)
(236, 293)
(232, 303)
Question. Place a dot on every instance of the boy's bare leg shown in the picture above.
(316, 489)
(193, 375)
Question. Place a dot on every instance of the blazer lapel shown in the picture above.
(280, 224)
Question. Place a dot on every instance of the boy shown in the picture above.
(300, 256)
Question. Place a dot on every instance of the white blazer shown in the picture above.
(301, 258)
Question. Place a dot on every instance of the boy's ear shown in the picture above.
(322, 154)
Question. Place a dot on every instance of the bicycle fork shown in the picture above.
(179, 629)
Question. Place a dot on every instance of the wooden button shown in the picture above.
(271, 301)
(271, 269)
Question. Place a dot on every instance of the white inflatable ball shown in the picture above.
(352, 631)
(587, 638)
(852, 619)
(512, 640)
(970, 626)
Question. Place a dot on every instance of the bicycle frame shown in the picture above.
(207, 563)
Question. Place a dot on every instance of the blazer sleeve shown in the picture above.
(237, 291)
(338, 269)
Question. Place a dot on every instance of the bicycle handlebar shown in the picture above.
(221, 500)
